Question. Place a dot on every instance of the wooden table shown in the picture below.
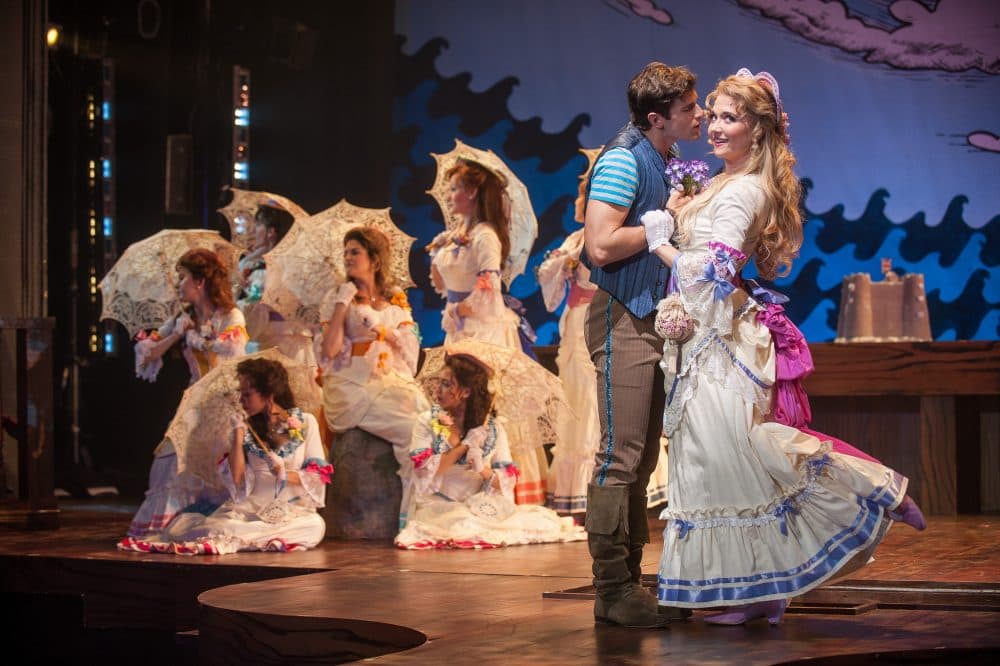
(931, 410)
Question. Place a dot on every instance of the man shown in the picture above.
(628, 180)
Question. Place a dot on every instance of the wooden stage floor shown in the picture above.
(931, 597)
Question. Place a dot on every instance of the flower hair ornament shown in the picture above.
(768, 82)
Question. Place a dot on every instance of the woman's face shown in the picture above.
(451, 394)
(260, 235)
(729, 133)
(461, 198)
(190, 288)
(357, 261)
(251, 400)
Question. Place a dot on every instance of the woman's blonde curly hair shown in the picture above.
(777, 230)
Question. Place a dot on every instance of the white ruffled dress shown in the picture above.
(265, 513)
(369, 384)
(757, 510)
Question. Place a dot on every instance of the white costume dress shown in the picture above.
(223, 336)
(461, 509)
(757, 510)
(264, 513)
(369, 383)
(470, 265)
(561, 275)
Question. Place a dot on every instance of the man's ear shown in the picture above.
(654, 119)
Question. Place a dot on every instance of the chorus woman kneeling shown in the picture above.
(275, 472)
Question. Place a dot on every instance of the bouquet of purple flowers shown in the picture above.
(690, 176)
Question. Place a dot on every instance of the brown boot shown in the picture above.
(618, 600)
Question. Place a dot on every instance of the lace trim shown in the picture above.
(712, 357)
(777, 510)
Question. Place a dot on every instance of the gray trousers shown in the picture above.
(630, 394)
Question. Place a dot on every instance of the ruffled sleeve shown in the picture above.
(425, 460)
(502, 463)
(146, 368)
(552, 278)
(406, 342)
(486, 297)
(231, 339)
(315, 472)
(706, 276)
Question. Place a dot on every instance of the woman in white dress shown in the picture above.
(463, 479)
(369, 348)
(465, 268)
(759, 511)
(265, 327)
(274, 474)
(561, 276)
(209, 330)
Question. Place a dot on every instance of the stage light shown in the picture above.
(241, 224)
(109, 343)
(106, 111)
(241, 126)
(106, 169)
(53, 35)
(108, 228)
(241, 172)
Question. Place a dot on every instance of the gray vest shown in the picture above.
(639, 281)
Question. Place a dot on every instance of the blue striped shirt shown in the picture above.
(616, 178)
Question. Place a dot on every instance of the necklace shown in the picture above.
(365, 299)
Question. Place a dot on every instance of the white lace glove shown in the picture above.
(659, 227)
(475, 440)
(342, 293)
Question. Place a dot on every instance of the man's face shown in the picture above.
(685, 118)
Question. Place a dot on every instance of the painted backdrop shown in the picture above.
(893, 110)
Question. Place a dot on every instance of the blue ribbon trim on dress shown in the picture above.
(830, 557)
(826, 561)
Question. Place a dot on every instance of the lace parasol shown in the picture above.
(141, 289)
(241, 210)
(309, 260)
(523, 223)
(201, 431)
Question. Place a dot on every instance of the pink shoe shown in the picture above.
(772, 610)
(908, 512)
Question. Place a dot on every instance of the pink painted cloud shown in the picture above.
(958, 35)
(648, 9)
(984, 141)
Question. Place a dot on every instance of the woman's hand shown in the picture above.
(677, 202)
(463, 309)
(184, 323)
